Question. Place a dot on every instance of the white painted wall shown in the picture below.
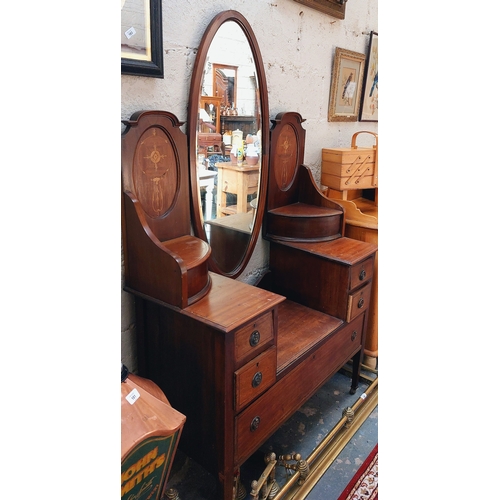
(297, 44)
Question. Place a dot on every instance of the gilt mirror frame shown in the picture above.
(193, 109)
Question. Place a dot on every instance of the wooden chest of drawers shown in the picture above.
(242, 360)
(332, 275)
(213, 358)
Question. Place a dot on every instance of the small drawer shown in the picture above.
(361, 273)
(229, 184)
(252, 337)
(254, 378)
(358, 302)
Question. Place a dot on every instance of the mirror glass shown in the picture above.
(228, 124)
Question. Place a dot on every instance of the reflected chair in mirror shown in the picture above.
(163, 261)
(209, 133)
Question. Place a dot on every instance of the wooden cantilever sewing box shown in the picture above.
(236, 359)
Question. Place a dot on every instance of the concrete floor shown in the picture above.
(300, 434)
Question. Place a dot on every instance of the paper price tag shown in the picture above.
(130, 33)
(132, 396)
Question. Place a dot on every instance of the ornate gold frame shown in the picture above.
(345, 91)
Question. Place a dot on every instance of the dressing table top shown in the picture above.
(231, 303)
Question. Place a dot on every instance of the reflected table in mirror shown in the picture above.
(239, 180)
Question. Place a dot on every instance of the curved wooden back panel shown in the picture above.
(154, 171)
(296, 209)
(162, 260)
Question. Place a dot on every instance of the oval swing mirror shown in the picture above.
(228, 142)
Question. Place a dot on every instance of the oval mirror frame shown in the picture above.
(193, 109)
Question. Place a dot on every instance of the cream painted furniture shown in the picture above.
(206, 181)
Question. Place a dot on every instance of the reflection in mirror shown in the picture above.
(228, 115)
(225, 85)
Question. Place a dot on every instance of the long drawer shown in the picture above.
(257, 422)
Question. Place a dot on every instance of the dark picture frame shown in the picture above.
(142, 38)
(369, 97)
(335, 8)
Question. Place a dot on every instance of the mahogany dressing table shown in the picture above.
(236, 359)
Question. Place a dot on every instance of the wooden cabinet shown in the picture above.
(211, 105)
(209, 131)
(247, 124)
(238, 360)
(239, 180)
(210, 355)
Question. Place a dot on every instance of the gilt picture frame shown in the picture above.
(141, 38)
(345, 90)
(369, 95)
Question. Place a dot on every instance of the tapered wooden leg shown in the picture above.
(356, 370)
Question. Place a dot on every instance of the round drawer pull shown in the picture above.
(362, 275)
(354, 334)
(257, 379)
(255, 424)
(254, 338)
(361, 303)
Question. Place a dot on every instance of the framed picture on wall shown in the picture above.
(369, 96)
(332, 8)
(141, 38)
(345, 91)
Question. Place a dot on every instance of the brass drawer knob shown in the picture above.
(257, 379)
(255, 424)
(361, 303)
(254, 338)
(362, 275)
(354, 334)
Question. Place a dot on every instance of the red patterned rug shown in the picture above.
(364, 484)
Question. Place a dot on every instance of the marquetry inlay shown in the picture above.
(286, 157)
(155, 172)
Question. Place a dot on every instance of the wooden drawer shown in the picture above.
(252, 338)
(232, 181)
(257, 422)
(361, 273)
(358, 302)
(254, 378)
(356, 181)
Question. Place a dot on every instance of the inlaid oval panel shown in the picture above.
(155, 172)
(286, 157)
